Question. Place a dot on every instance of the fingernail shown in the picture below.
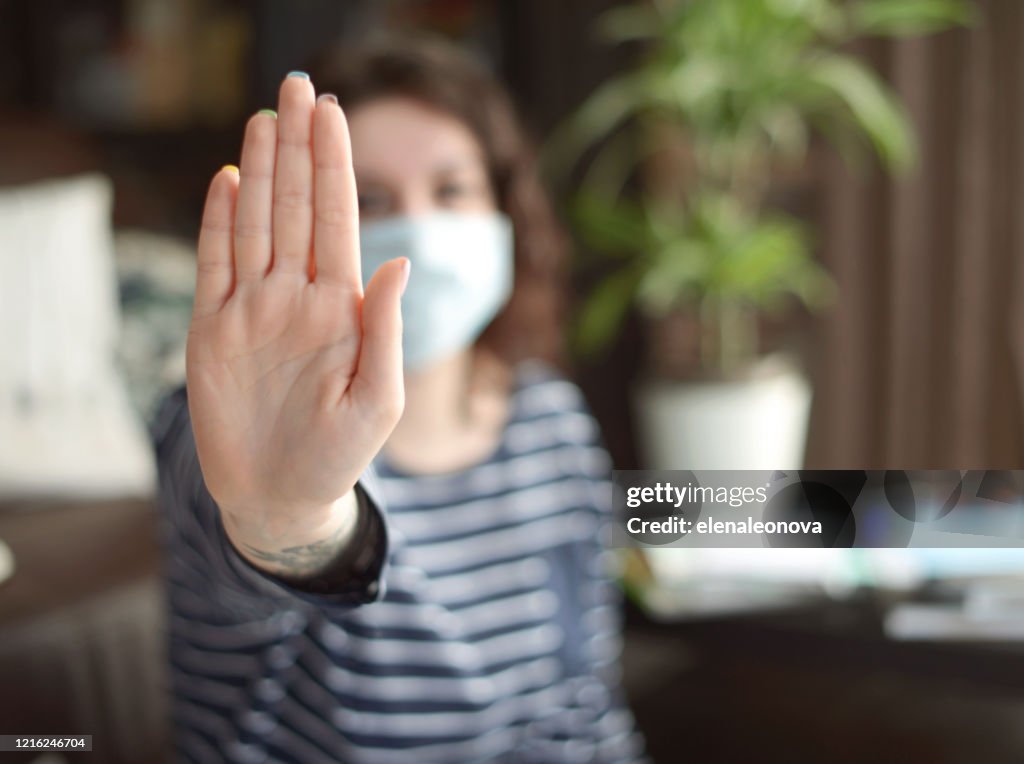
(328, 97)
(230, 168)
(268, 112)
(406, 270)
(303, 75)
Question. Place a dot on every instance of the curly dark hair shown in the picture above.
(438, 74)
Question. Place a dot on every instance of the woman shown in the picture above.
(449, 602)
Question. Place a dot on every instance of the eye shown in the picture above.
(373, 203)
(451, 191)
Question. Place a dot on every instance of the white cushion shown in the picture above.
(66, 427)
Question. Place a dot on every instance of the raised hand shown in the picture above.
(294, 374)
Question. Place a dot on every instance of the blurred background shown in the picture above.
(797, 245)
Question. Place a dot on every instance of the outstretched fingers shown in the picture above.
(214, 267)
(256, 198)
(336, 226)
(293, 177)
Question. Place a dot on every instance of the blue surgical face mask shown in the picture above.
(461, 276)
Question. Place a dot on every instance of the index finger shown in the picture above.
(336, 205)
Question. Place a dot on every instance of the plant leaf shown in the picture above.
(605, 310)
(873, 107)
(616, 227)
(603, 112)
(910, 18)
(630, 22)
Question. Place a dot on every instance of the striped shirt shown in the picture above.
(486, 629)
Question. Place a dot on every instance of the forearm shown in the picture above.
(294, 548)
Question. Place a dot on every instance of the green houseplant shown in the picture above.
(684, 146)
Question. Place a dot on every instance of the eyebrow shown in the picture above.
(447, 168)
(454, 167)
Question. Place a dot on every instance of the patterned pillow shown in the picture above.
(156, 274)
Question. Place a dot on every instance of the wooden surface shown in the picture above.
(819, 684)
(82, 628)
(66, 553)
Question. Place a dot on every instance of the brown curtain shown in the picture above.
(921, 362)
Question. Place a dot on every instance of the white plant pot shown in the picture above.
(758, 423)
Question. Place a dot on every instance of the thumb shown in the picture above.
(378, 383)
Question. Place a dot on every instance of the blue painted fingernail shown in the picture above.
(299, 74)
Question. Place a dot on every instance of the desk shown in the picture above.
(81, 650)
(821, 683)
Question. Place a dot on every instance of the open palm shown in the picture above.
(294, 375)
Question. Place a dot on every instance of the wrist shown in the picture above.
(292, 542)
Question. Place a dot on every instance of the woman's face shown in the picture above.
(411, 159)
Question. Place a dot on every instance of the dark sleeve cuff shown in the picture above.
(355, 578)
(357, 567)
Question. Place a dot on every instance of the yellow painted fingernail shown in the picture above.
(268, 112)
(230, 168)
